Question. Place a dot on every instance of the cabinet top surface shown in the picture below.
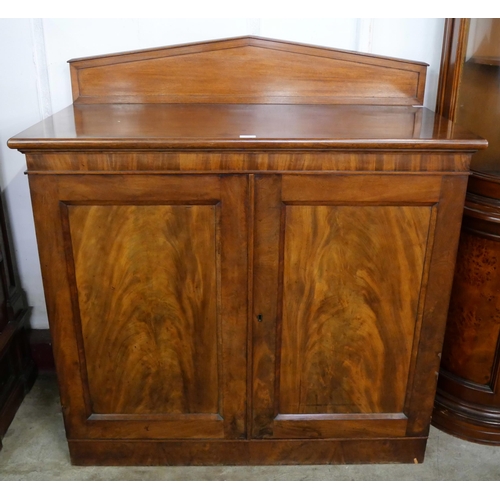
(244, 127)
(246, 94)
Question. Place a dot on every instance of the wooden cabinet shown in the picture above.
(17, 370)
(155, 298)
(261, 279)
(468, 396)
(345, 262)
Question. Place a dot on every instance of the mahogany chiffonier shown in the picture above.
(247, 248)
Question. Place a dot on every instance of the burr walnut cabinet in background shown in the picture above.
(247, 248)
(468, 396)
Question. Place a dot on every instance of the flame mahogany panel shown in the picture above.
(341, 349)
(147, 301)
(147, 290)
(347, 331)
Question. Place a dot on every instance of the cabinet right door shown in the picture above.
(352, 274)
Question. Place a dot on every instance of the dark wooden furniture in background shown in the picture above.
(17, 370)
(468, 397)
(247, 249)
(40, 341)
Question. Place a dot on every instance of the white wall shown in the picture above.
(20, 108)
(34, 81)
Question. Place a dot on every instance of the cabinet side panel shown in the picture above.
(147, 294)
(351, 286)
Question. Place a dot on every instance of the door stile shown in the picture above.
(421, 308)
(268, 208)
(250, 293)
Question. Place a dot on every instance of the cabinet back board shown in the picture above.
(247, 70)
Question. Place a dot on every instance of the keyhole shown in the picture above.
(259, 317)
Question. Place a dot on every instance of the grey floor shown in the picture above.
(35, 449)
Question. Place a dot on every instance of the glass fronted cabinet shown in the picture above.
(478, 106)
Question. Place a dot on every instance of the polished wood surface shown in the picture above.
(277, 299)
(152, 340)
(326, 317)
(250, 70)
(452, 59)
(477, 97)
(468, 87)
(468, 396)
(347, 335)
(118, 246)
(254, 452)
(219, 126)
(472, 329)
(298, 162)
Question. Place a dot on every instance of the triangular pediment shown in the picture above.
(247, 70)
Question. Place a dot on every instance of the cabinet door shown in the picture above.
(146, 285)
(352, 277)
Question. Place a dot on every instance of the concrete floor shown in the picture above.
(35, 449)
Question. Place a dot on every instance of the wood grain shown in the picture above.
(266, 121)
(478, 102)
(256, 452)
(452, 60)
(472, 331)
(411, 206)
(437, 296)
(147, 290)
(217, 299)
(468, 399)
(382, 189)
(197, 163)
(267, 222)
(323, 426)
(248, 69)
(467, 403)
(348, 330)
(476, 423)
(202, 127)
(153, 210)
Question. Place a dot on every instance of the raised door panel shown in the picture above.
(149, 313)
(344, 261)
(351, 283)
(147, 295)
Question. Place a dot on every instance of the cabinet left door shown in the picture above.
(145, 279)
